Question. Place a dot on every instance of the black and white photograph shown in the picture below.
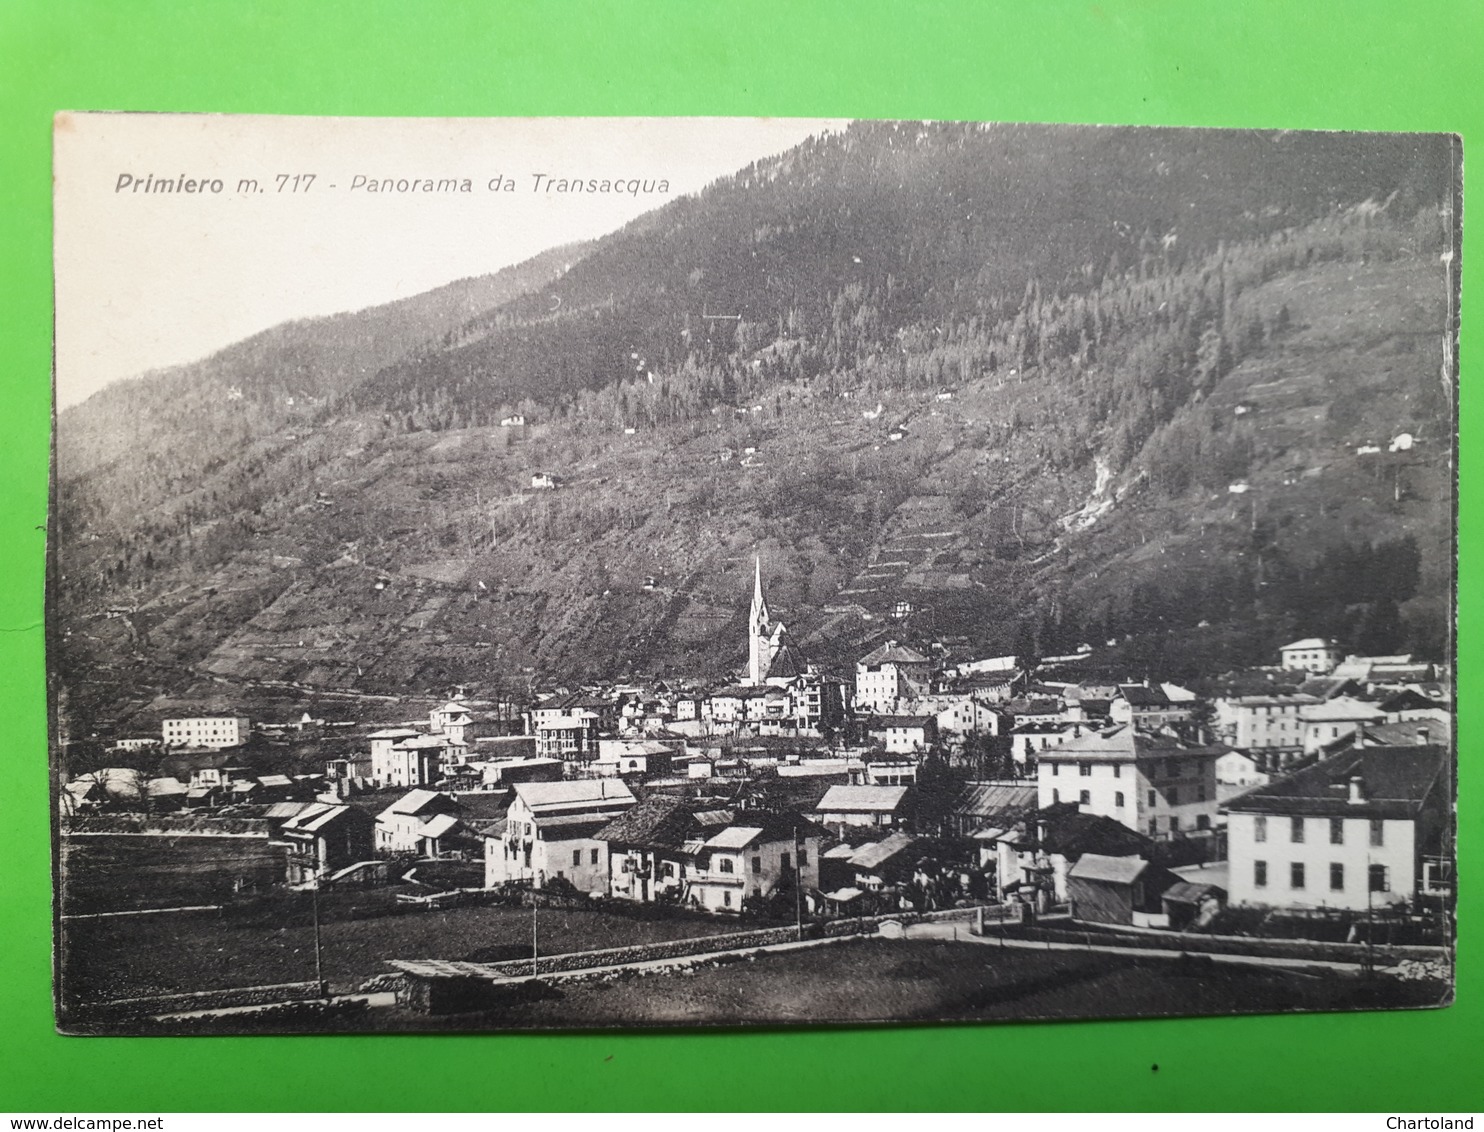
(570, 574)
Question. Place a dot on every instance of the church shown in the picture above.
(771, 657)
(814, 701)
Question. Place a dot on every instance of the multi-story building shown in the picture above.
(888, 675)
(214, 731)
(549, 830)
(403, 758)
(1153, 783)
(1271, 728)
(1334, 719)
(1312, 654)
(1147, 707)
(1358, 830)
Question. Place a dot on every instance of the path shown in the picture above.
(941, 931)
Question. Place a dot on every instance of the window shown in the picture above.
(1202, 821)
(1118, 800)
(1378, 832)
(1117, 771)
(1337, 878)
(724, 865)
(1056, 768)
(785, 860)
(1174, 794)
(1380, 880)
(595, 857)
(1296, 875)
(1085, 797)
(1174, 824)
(726, 897)
(1260, 874)
(1260, 828)
(1153, 797)
(757, 864)
(1337, 831)
(1055, 797)
(1084, 769)
(576, 857)
(1200, 793)
(1296, 831)
(803, 857)
(1153, 827)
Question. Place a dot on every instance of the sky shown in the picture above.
(146, 278)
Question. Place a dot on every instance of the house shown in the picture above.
(758, 856)
(1312, 654)
(1325, 722)
(1032, 859)
(881, 806)
(905, 734)
(324, 837)
(549, 833)
(1147, 707)
(1237, 771)
(959, 713)
(635, 756)
(112, 786)
(496, 774)
(986, 805)
(881, 864)
(890, 674)
(215, 731)
(1152, 782)
(543, 481)
(1027, 740)
(1361, 829)
(405, 768)
(423, 822)
(572, 738)
(1271, 726)
(651, 846)
(1118, 890)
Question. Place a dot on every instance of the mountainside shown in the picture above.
(1130, 395)
(151, 439)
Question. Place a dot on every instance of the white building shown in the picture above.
(549, 830)
(1334, 719)
(1154, 784)
(1359, 830)
(1312, 654)
(889, 675)
(403, 758)
(214, 731)
(1272, 725)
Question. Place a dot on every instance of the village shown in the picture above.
(1305, 804)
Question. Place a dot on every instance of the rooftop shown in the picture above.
(1394, 783)
(861, 799)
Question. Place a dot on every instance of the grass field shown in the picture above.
(113, 874)
(872, 980)
(130, 956)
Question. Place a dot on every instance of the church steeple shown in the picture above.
(759, 628)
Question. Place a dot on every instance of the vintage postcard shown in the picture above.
(519, 574)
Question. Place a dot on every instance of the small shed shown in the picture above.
(1188, 904)
(1117, 890)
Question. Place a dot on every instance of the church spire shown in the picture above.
(758, 628)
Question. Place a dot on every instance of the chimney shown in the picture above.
(1357, 794)
(1422, 736)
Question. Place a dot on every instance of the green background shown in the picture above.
(1374, 66)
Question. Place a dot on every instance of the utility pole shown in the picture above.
(798, 883)
(535, 953)
(319, 969)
